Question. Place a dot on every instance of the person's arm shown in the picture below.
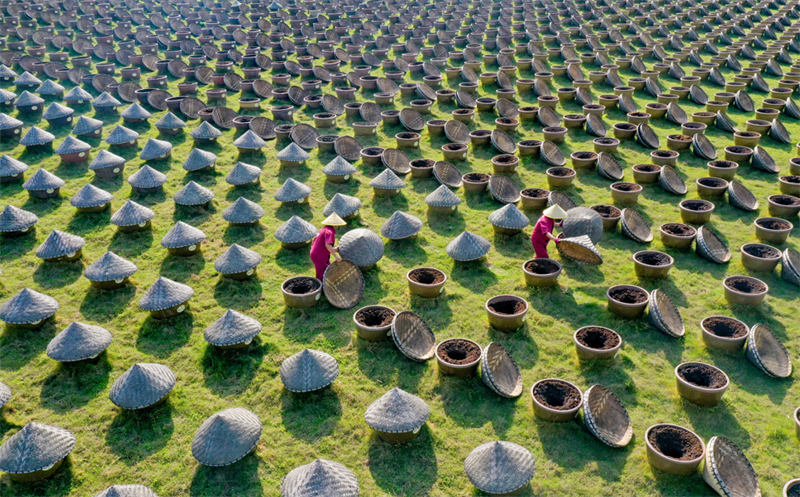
(330, 238)
(333, 251)
(550, 234)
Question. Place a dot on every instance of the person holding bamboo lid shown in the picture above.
(323, 245)
(543, 230)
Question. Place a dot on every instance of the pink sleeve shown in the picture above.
(330, 237)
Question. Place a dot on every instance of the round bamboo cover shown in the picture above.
(343, 284)
(413, 337)
(605, 416)
(768, 353)
(581, 249)
(499, 371)
(728, 471)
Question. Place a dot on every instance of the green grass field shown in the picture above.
(154, 447)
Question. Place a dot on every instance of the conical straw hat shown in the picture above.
(555, 212)
(334, 220)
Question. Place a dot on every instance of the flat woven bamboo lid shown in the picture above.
(670, 181)
(664, 314)
(127, 491)
(635, 226)
(343, 284)
(728, 471)
(741, 197)
(447, 174)
(581, 249)
(5, 394)
(499, 372)
(605, 416)
(503, 189)
(413, 337)
(768, 353)
(710, 246)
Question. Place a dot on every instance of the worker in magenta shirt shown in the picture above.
(323, 245)
(543, 230)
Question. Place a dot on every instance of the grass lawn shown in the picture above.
(154, 447)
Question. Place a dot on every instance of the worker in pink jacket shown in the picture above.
(543, 230)
(323, 245)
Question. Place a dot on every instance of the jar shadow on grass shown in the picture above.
(239, 478)
(135, 435)
(25, 344)
(244, 235)
(83, 222)
(385, 206)
(72, 385)
(161, 337)
(13, 248)
(471, 404)
(250, 192)
(42, 207)
(383, 363)
(295, 260)
(50, 275)
(517, 245)
(300, 173)
(102, 305)
(312, 415)
(67, 171)
(474, 275)
(446, 225)
(110, 185)
(337, 327)
(745, 376)
(237, 295)
(349, 187)
(721, 422)
(436, 312)
(180, 268)
(406, 252)
(194, 215)
(230, 372)
(130, 244)
(573, 448)
(406, 469)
